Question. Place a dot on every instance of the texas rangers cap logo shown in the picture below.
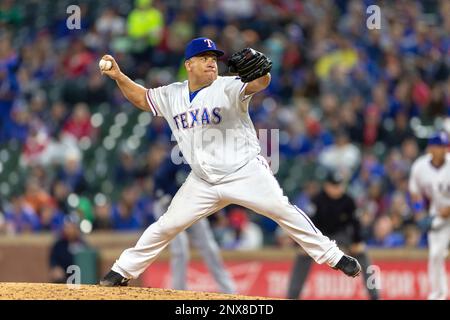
(200, 45)
(209, 42)
(439, 139)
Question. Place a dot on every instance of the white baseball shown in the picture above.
(105, 65)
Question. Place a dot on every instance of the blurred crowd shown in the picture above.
(343, 97)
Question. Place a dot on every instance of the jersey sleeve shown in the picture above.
(235, 88)
(157, 100)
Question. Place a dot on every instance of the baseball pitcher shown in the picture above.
(208, 115)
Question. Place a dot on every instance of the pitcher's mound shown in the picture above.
(47, 291)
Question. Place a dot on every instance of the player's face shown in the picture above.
(334, 191)
(437, 152)
(203, 67)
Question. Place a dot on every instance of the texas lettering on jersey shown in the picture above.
(214, 131)
(197, 117)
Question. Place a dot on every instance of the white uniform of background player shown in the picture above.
(217, 138)
(430, 179)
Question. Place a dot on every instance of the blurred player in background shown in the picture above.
(168, 179)
(429, 183)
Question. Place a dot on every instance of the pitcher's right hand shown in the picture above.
(114, 72)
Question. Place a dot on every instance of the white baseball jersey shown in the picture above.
(214, 130)
(431, 182)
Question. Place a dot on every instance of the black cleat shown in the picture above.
(114, 279)
(348, 265)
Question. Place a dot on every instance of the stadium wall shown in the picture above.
(263, 273)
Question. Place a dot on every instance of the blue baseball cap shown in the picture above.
(200, 45)
(439, 139)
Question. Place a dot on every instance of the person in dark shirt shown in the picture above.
(64, 249)
(334, 213)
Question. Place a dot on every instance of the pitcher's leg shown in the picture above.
(179, 260)
(254, 187)
(195, 200)
(203, 239)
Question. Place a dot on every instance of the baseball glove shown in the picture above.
(249, 64)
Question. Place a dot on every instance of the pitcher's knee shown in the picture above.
(288, 211)
(275, 210)
(169, 231)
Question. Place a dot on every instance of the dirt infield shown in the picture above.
(46, 291)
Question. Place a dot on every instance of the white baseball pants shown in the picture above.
(438, 241)
(253, 186)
